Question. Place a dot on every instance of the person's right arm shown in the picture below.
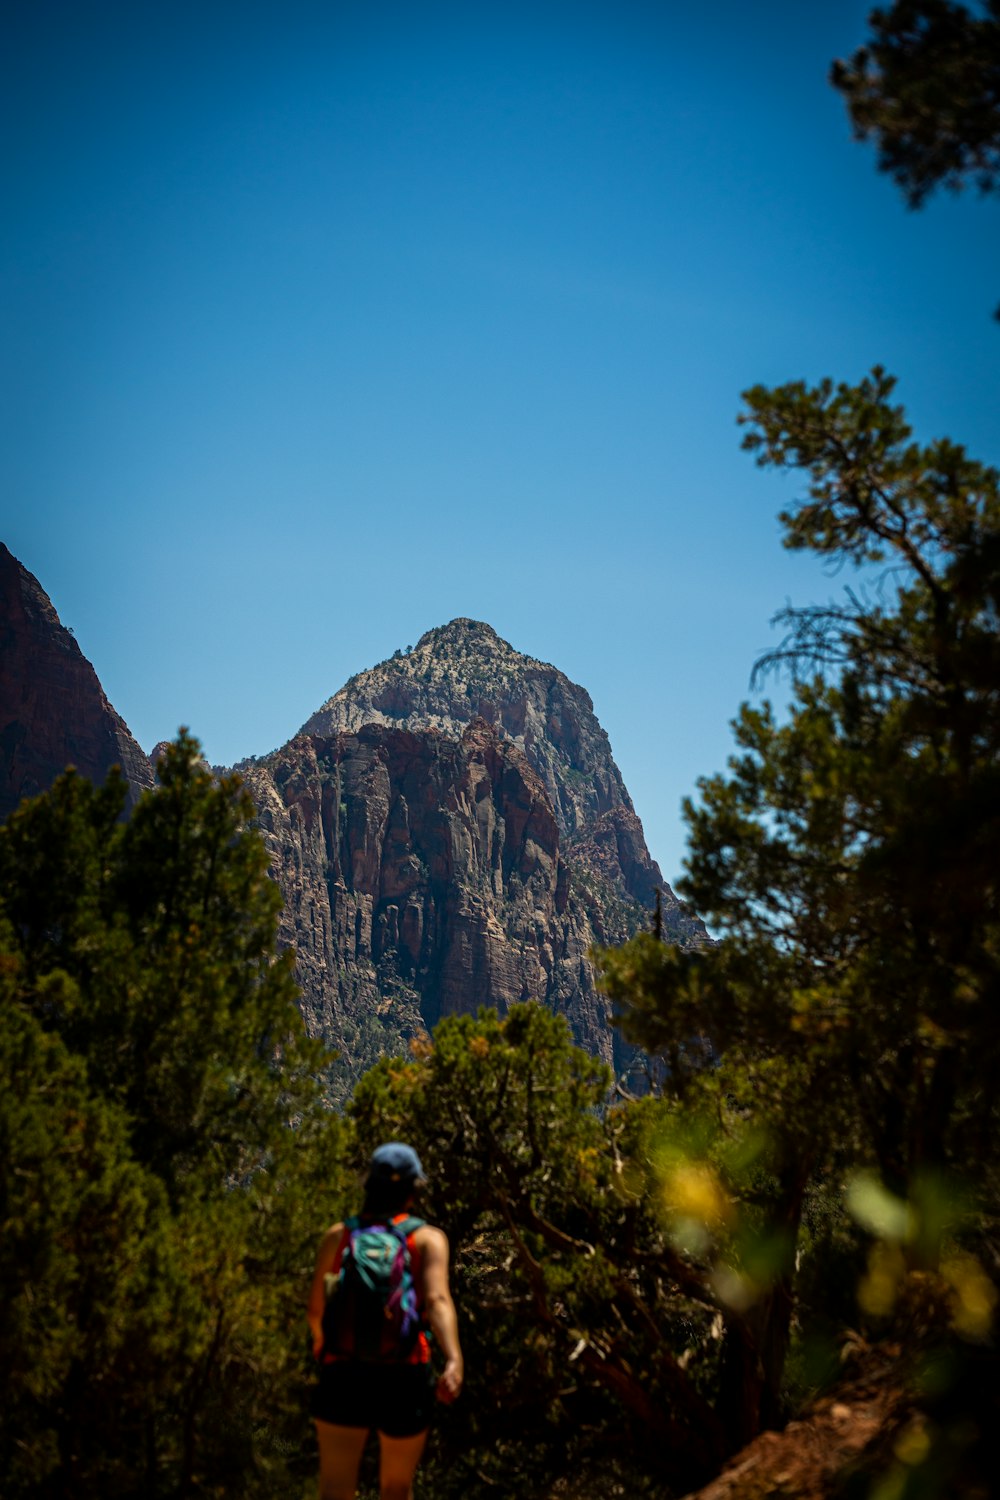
(329, 1245)
(439, 1310)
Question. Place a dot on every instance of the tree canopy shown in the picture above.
(573, 1322)
(926, 87)
(846, 1013)
(157, 1214)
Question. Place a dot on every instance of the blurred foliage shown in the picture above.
(927, 1287)
(926, 86)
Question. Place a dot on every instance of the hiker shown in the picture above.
(368, 1332)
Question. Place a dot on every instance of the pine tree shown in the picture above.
(847, 861)
(168, 1163)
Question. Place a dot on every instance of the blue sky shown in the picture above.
(325, 323)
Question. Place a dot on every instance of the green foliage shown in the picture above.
(157, 1214)
(81, 1250)
(845, 1017)
(566, 1279)
(884, 789)
(847, 859)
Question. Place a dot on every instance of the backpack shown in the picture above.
(371, 1310)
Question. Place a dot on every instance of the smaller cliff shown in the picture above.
(53, 711)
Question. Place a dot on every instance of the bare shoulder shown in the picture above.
(429, 1239)
(329, 1244)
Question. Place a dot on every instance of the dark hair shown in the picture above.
(386, 1197)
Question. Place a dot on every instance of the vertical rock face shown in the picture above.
(422, 877)
(53, 712)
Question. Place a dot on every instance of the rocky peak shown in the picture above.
(463, 635)
(53, 711)
(450, 830)
(463, 671)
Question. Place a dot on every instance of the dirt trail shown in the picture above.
(805, 1459)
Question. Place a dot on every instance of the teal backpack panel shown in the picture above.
(371, 1310)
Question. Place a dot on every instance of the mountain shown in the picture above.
(464, 671)
(450, 830)
(53, 711)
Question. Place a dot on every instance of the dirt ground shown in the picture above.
(806, 1459)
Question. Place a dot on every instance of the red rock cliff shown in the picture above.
(422, 876)
(53, 712)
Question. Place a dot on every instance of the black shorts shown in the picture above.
(395, 1399)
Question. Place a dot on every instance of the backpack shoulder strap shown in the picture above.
(350, 1225)
(408, 1224)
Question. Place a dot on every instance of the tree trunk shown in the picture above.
(756, 1342)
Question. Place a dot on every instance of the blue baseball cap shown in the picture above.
(396, 1162)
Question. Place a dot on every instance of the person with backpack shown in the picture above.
(381, 1281)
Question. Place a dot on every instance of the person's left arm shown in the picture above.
(439, 1309)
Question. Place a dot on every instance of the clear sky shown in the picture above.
(321, 324)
